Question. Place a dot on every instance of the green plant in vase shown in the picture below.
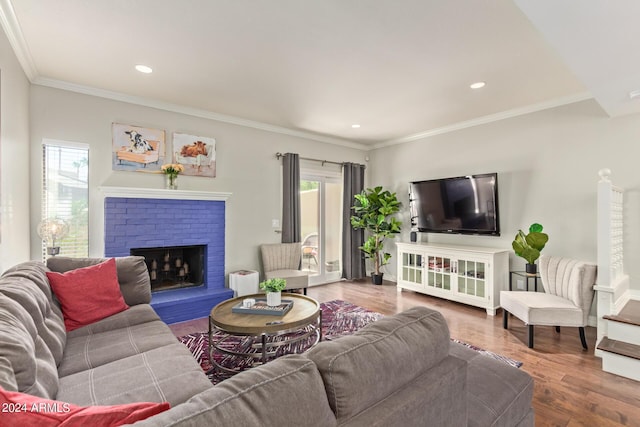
(372, 211)
(529, 246)
(273, 288)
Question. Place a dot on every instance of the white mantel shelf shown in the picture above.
(156, 193)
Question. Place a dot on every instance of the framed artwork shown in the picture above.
(137, 149)
(196, 153)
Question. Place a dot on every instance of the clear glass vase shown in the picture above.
(171, 182)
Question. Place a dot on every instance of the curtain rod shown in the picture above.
(280, 155)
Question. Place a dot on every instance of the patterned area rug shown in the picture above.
(339, 318)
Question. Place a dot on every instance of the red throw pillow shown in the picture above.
(88, 294)
(19, 409)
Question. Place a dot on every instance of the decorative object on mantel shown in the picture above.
(53, 229)
(373, 210)
(171, 172)
(528, 246)
(137, 149)
(273, 288)
(196, 153)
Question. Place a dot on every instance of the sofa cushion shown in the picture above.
(432, 399)
(92, 350)
(27, 284)
(7, 376)
(383, 354)
(35, 411)
(135, 315)
(498, 394)
(88, 294)
(133, 275)
(285, 392)
(33, 365)
(164, 374)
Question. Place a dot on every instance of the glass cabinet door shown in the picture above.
(471, 278)
(439, 272)
(412, 267)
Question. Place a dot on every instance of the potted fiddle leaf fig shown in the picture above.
(528, 246)
(373, 211)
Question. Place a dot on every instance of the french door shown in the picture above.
(321, 204)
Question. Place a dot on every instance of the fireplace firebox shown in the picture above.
(174, 267)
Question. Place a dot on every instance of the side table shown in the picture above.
(244, 282)
(526, 276)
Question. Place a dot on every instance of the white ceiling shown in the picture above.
(401, 69)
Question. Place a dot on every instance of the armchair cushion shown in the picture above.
(537, 308)
(296, 279)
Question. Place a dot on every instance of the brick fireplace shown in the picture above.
(153, 220)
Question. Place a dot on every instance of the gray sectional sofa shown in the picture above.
(399, 371)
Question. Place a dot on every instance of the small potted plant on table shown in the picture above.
(273, 288)
(528, 246)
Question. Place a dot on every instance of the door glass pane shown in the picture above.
(332, 226)
(309, 208)
(321, 217)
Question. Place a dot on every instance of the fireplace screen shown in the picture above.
(174, 267)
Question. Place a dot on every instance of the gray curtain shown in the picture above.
(291, 222)
(352, 258)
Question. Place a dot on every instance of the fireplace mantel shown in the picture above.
(156, 193)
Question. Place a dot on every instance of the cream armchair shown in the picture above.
(566, 300)
(282, 260)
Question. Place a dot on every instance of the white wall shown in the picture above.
(14, 159)
(246, 164)
(547, 164)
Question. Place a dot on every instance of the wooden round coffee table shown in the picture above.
(270, 333)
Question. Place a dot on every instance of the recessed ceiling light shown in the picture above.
(355, 126)
(144, 69)
(477, 85)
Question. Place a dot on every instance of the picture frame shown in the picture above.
(196, 153)
(137, 148)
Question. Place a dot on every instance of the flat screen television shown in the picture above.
(460, 205)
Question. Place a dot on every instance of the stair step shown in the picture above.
(619, 347)
(630, 314)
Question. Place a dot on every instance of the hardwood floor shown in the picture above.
(570, 387)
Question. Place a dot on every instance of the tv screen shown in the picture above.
(463, 205)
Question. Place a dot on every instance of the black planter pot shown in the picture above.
(531, 268)
(376, 279)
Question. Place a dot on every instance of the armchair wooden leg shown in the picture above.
(558, 329)
(582, 338)
(530, 336)
(304, 291)
(505, 319)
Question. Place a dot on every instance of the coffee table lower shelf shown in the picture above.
(255, 350)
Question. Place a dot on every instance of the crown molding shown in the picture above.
(190, 111)
(12, 29)
(558, 102)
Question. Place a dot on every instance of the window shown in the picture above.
(65, 194)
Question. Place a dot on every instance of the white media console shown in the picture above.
(467, 274)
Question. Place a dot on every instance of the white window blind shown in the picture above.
(65, 194)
